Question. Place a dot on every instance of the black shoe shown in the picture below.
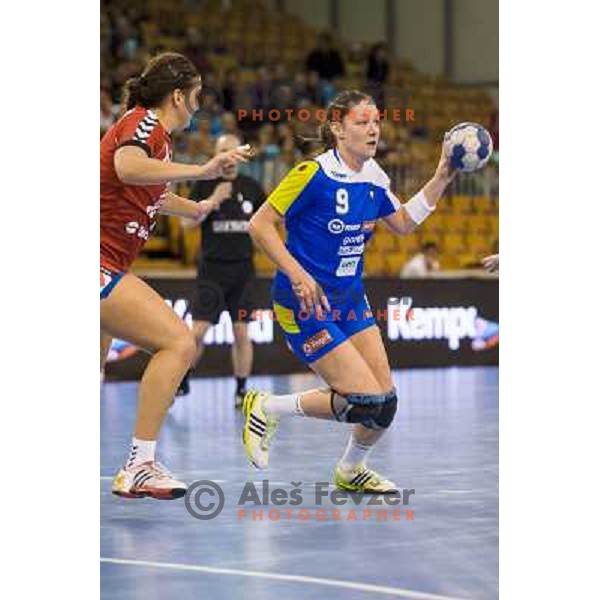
(184, 386)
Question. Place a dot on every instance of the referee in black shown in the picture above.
(225, 268)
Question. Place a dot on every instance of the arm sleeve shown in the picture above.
(139, 130)
(293, 193)
(389, 203)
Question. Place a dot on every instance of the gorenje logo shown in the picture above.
(435, 323)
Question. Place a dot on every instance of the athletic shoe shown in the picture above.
(362, 479)
(258, 430)
(149, 479)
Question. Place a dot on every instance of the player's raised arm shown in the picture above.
(411, 214)
(134, 167)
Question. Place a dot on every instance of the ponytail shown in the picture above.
(163, 75)
(132, 94)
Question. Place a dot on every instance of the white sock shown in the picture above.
(141, 451)
(355, 454)
(276, 406)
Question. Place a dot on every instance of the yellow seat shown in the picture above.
(454, 242)
(394, 263)
(462, 204)
(455, 223)
(479, 223)
(495, 225)
(384, 241)
(374, 264)
(478, 244)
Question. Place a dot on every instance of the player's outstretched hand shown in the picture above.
(310, 294)
(215, 166)
(491, 263)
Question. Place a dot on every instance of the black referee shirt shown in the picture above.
(225, 232)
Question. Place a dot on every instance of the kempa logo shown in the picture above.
(434, 323)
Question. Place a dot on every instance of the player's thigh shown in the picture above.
(369, 345)
(136, 313)
(346, 371)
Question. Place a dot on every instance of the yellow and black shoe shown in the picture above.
(364, 480)
(258, 429)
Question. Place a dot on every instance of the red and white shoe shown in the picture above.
(149, 479)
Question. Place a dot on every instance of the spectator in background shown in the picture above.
(325, 59)
(195, 50)
(229, 124)
(263, 90)
(231, 89)
(108, 111)
(424, 263)
(355, 65)
(377, 71)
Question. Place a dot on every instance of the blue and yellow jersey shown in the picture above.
(330, 212)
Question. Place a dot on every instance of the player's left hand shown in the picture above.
(205, 207)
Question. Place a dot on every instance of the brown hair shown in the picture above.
(163, 74)
(337, 109)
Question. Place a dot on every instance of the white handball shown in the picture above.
(469, 146)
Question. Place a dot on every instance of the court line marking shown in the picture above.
(351, 585)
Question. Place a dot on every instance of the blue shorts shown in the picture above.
(108, 280)
(311, 337)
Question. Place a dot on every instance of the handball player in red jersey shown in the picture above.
(135, 172)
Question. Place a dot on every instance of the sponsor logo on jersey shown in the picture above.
(316, 342)
(134, 228)
(348, 266)
(335, 226)
(354, 239)
(340, 175)
(338, 226)
(368, 226)
(351, 250)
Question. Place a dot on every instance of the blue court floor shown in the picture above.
(443, 444)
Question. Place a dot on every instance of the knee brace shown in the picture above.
(375, 411)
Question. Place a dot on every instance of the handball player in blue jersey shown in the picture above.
(330, 206)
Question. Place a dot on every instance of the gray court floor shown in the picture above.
(443, 444)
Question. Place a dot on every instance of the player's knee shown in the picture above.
(375, 411)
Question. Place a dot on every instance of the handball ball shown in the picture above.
(469, 146)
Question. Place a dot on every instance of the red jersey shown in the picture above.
(127, 212)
